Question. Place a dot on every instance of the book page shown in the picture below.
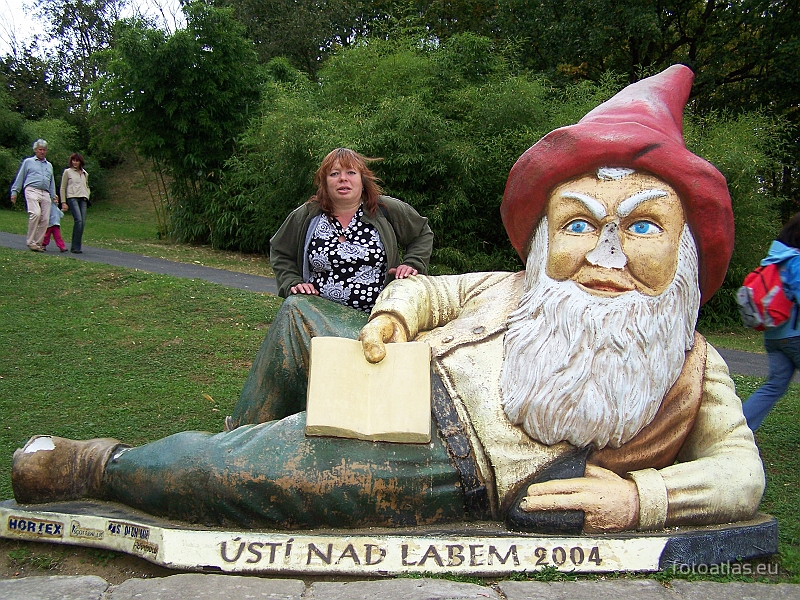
(349, 397)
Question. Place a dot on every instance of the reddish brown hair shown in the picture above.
(78, 157)
(347, 159)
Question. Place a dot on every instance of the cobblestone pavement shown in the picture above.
(228, 586)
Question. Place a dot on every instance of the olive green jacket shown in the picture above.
(397, 223)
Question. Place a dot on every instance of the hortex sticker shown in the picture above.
(143, 547)
(76, 531)
(36, 527)
(129, 530)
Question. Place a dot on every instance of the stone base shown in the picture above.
(484, 548)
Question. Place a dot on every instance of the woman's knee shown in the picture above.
(772, 389)
(302, 303)
(293, 303)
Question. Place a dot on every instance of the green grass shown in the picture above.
(741, 338)
(778, 439)
(42, 561)
(92, 350)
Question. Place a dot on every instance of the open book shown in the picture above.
(350, 397)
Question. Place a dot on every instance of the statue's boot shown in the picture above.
(51, 469)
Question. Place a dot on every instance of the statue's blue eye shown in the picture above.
(645, 228)
(579, 226)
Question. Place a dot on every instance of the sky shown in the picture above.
(18, 24)
(15, 23)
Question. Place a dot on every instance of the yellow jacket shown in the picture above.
(74, 184)
(718, 476)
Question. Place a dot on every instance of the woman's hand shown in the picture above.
(403, 271)
(377, 333)
(304, 288)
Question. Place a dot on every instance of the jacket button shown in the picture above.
(447, 339)
(479, 330)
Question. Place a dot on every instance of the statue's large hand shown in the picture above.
(609, 502)
(381, 330)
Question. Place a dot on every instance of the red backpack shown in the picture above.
(761, 300)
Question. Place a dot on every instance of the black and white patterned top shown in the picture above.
(348, 265)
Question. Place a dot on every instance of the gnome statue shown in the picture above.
(575, 395)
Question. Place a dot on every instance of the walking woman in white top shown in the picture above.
(75, 188)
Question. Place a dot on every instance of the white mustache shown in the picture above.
(594, 370)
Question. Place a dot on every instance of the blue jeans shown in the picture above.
(784, 358)
(77, 206)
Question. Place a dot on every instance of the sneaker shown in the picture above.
(77, 251)
(44, 248)
(35, 248)
(62, 250)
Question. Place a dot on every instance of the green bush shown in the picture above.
(449, 121)
(60, 137)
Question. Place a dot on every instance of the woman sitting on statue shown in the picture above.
(342, 246)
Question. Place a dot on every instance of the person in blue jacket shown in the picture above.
(782, 343)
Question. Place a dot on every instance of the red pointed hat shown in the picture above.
(640, 128)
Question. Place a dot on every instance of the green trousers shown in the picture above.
(277, 383)
(267, 473)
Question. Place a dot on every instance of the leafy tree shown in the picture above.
(446, 18)
(305, 31)
(31, 82)
(13, 139)
(744, 54)
(449, 120)
(733, 41)
(12, 124)
(181, 101)
(80, 29)
(756, 68)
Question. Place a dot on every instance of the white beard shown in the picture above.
(594, 370)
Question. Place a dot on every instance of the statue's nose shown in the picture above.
(608, 251)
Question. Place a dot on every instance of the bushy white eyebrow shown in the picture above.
(593, 206)
(626, 206)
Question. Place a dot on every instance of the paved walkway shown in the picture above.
(201, 586)
(742, 363)
(212, 587)
(253, 283)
